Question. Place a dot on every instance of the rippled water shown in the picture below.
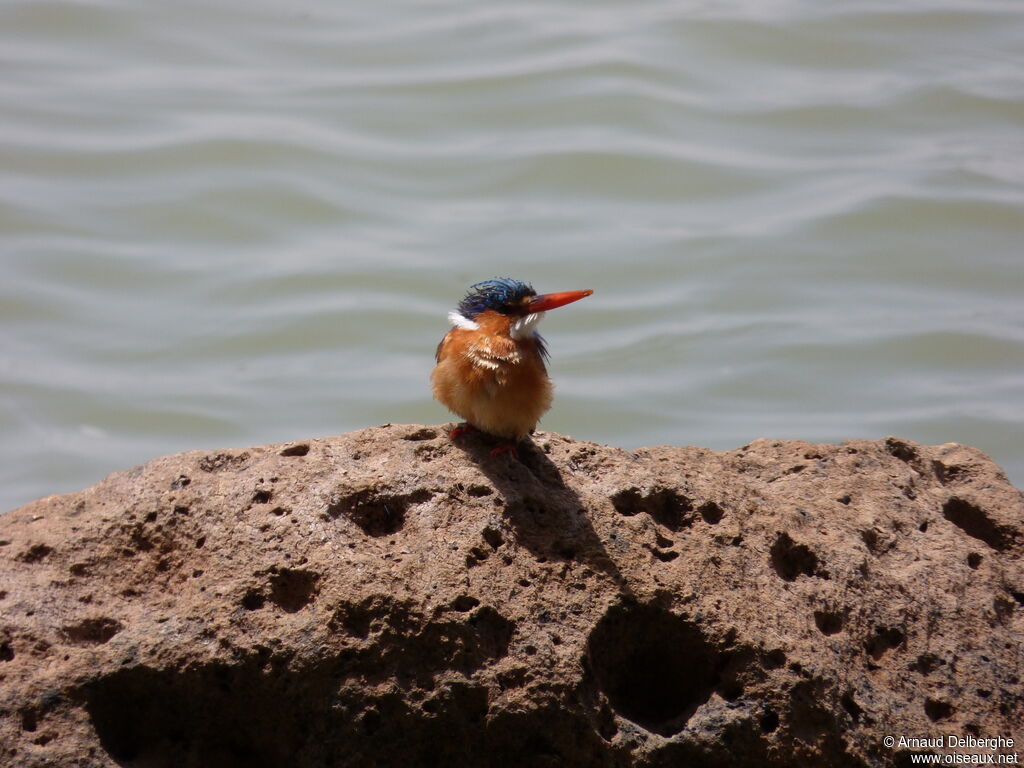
(227, 223)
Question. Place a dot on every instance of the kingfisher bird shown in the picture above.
(491, 365)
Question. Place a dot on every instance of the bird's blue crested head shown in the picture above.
(502, 294)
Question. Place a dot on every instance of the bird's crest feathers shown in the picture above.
(501, 294)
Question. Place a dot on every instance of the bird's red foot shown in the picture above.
(458, 431)
(505, 447)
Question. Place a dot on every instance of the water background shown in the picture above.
(228, 223)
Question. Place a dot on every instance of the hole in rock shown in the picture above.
(299, 449)
(476, 556)
(873, 541)
(464, 603)
(628, 502)
(828, 622)
(927, 663)
(1003, 608)
(376, 511)
(973, 521)
(656, 668)
(29, 720)
(853, 709)
(774, 659)
(883, 640)
(35, 553)
(791, 560)
(950, 473)
(94, 631)
(902, 450)
(245, 715)
(493, 537)
(711, 512)
(253, 600)
(665, 505)
(357, 618)
(413, 644)
(665, 556)
(293, 589)
(424, 433)
(221, 461)
(938, 710)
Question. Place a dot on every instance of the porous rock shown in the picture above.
(387, 598)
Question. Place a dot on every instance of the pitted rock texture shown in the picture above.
(388, 598)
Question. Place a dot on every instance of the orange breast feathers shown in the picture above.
(498, 384)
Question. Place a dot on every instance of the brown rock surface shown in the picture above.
(385, 598)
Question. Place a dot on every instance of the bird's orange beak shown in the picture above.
(547, 301)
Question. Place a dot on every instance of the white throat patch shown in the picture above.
(525, 326)
(459, 320)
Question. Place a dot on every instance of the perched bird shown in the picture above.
(490, 366)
